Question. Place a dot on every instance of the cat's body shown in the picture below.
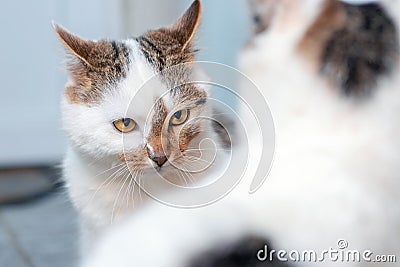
(331, 77)
(336, 169)
(133, 116)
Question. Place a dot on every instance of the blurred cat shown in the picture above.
(121, 136)
(330, 72)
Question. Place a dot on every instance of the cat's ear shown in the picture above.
(185, 27)
(79, 47)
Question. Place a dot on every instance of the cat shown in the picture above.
(330, 72)
(132, 114)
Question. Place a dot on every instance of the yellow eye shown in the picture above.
(180, 117)
(124, 125)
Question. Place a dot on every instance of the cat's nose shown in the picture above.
(159, 160)
(156, 156)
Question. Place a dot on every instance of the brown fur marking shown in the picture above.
(312, 45)
(168, 47)
(93, 66)
(157, 139)
(160, 114)
(186, 135)
(136, 156)
(188, 93)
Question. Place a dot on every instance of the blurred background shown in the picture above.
(37, 228)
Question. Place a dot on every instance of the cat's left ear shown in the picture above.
(185, 27)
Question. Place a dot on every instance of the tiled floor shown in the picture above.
(39, 233)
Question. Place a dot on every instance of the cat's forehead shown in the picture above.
(144, 84)
(122, 68)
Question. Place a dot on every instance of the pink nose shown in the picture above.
(159, 159)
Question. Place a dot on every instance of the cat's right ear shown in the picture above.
(185, 27)
(80, 48)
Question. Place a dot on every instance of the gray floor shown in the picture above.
(39, 233)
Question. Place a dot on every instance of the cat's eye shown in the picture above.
(124, 125)
(180, 117)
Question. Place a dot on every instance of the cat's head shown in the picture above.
(106, 115)
(350, 44)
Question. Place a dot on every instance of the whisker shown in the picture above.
(189, 165)
(207, 149)
(180, 174)
(188, 175)
(103, 184)
(139, 187)
(222, 113)
(131, 188)
(117, 197)
(128, 191)
(194, 159)
(109, 169)
(117, 175)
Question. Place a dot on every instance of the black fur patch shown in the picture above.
(152, 52)
(239, 254)
(363, 50)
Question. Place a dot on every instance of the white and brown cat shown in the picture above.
(331, 73)
(129, 120)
